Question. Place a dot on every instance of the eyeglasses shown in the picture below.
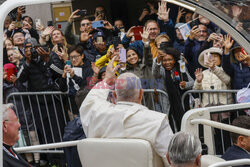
(153, 29)
(85, 24)
(74, 57)
(202, 31)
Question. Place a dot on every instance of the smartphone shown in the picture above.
(60, 47)
(207, 58)
(116, 41)
(194, 23)
(10, 69)
(99, 39)
(97, 24)
(243, 51)
(38, 22)
(82, 12)
(123, 55)
(50, 23)
(137, 30)
(68, 62)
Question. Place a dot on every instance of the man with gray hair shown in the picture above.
(127, 118)
(184, 150)
(11, 127)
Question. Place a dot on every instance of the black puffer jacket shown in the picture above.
(42, 76)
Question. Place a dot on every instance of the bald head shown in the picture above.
(128, 88)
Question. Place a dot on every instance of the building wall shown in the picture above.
(41, 11)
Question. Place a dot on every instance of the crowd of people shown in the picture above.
(39, 59)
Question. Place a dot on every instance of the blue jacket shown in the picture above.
(165, 27)
(191, 53)
(179, 45)
(239, 73)
(234, 153)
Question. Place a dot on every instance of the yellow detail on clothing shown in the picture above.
(154, 49)
(103, 61)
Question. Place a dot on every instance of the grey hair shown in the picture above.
(6, 109)
(184, 148)
(127, 87)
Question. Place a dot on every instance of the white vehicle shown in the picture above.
(216, 11)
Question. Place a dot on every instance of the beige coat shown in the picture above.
(219, 80)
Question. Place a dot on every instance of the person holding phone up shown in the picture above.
(155, 28)
(78, 73)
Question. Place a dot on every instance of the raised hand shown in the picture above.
(110, 72)
(228, 43)
(211, 64)
(212, 37)
(182, 84)
(163, 13)
(26, 25)
(13, 78)
(12, 26)
(181, 12)
(159, 57)
(47, 31)
(110, 52)
(40, 28)
(236, 11)
(61, 54)
(95, 69)
(144, 13)
(199, 75)
(130, 32)
(107, 25)
(193, 33)
(45, 54)
(84, 37)
(145, 35)
(73, 16)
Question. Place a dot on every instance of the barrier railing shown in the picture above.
(232, 163)
(201, 116)
(43, 115)
(211, 97)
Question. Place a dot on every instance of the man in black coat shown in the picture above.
(241, 143)
(11, 126)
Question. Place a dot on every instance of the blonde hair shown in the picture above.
(161, 37)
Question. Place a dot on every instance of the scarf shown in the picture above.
(173, 79)
(154, 49)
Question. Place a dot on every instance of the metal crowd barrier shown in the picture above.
(213, 97)
(43, 115)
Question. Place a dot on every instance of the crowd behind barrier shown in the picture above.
(177, 72)
(25, 113)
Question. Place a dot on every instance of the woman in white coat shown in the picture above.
(214, 78)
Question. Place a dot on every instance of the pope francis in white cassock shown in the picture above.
(127, 118)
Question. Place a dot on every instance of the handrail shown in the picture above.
(47, 146)
(232, 163)
(222, 126)
(205, 91)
